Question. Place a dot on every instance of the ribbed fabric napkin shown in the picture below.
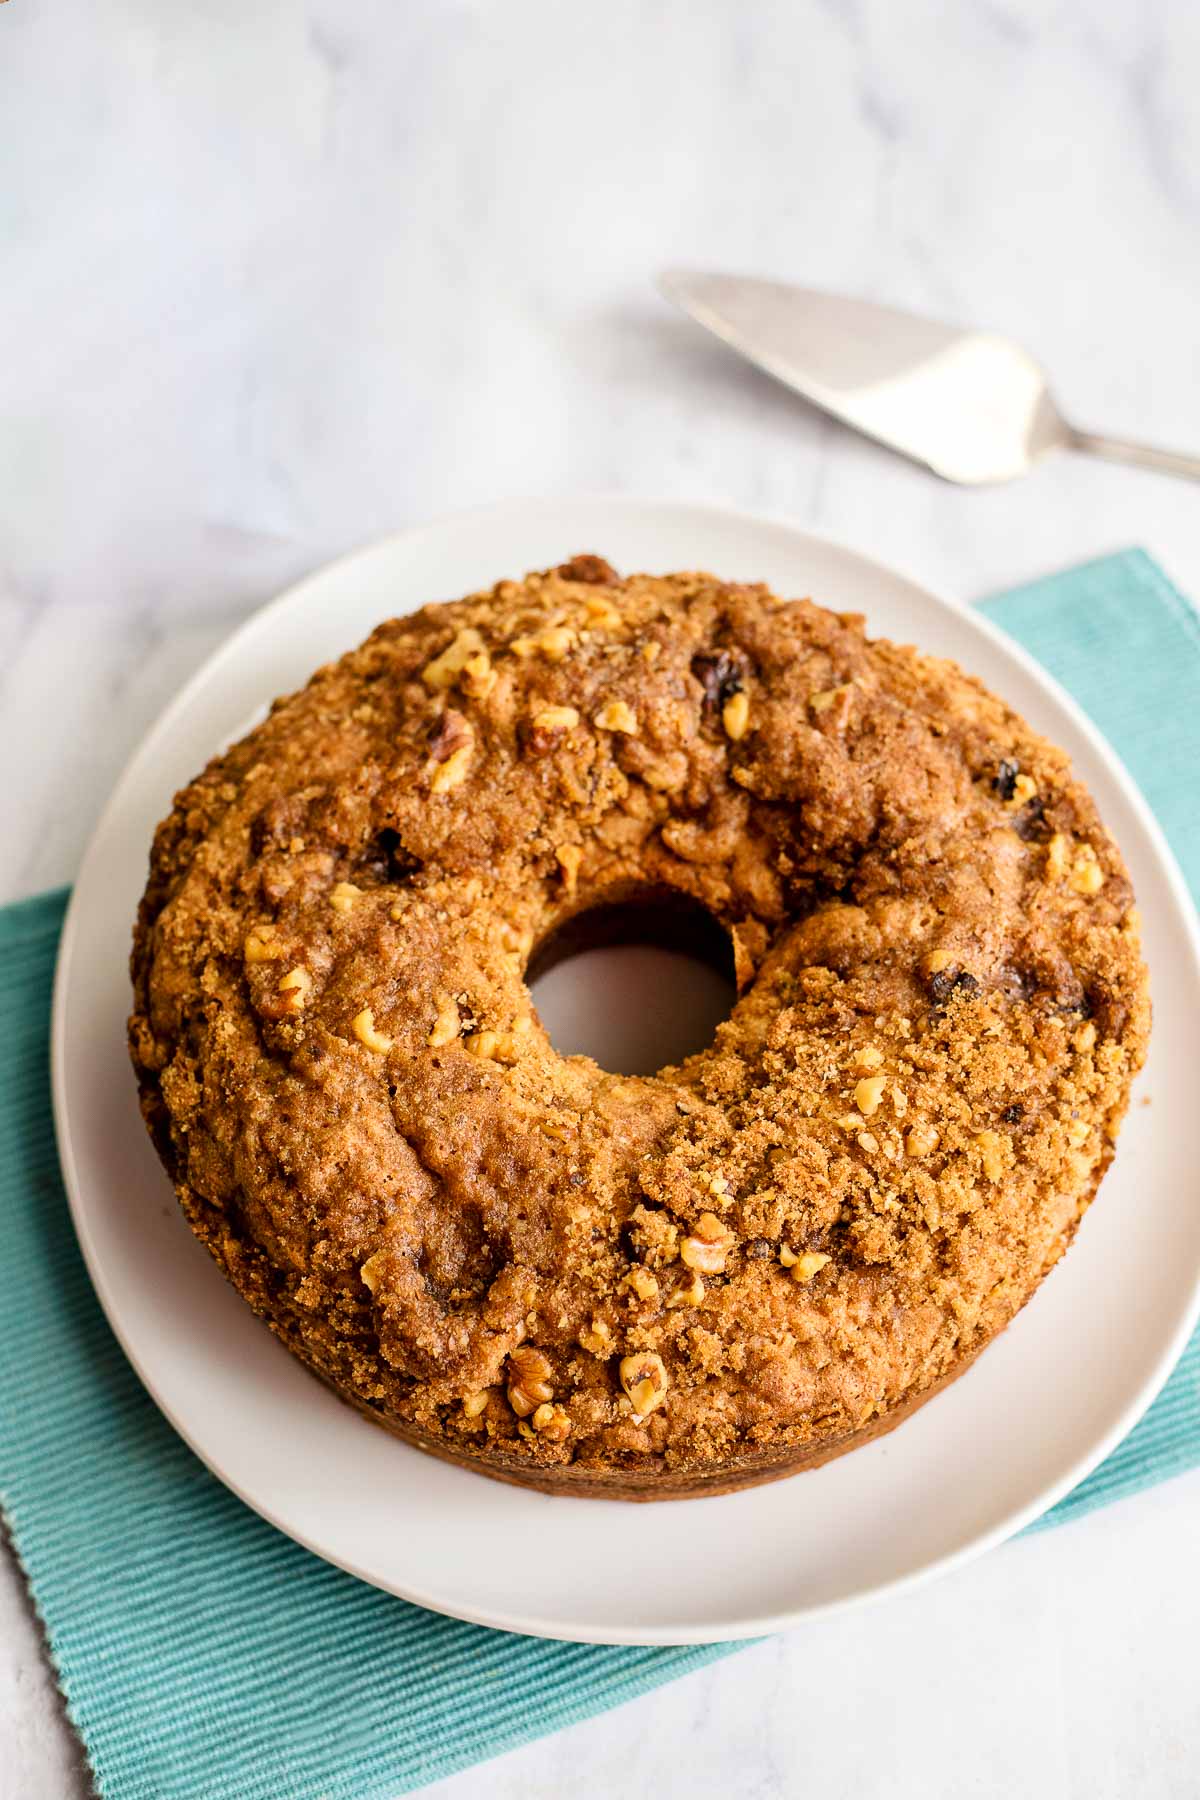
(205, 1656)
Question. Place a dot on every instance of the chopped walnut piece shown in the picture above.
(551, 1422)
(868, 1094)
(1078, 1132)
(449, 731)
(474, 1404)
(261, 945)
(601, 612)
(453, 747)
(1087, 877)
(716, 1184)
(363, 1027)
(735, 715)
(869, 1142)
(528, 1380)
(447, 1024)
(478, 676)
(597, 1338)
(644, 1378)
(555, 642)
(499, 1046)
(516, 945)
(618, 715)
(643, 1283)
(808, 1264)
(556, 718)
(867, 1058)
(344, 897)
(687, 1293)
(452, 772)
(708, 1244)
(822, 701)
(445, 669)
(370, 1270)
(991, 1148)
(1057, 853)
(922, 1138)
(296, 987)
(568, 857)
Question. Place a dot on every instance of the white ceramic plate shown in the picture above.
(1039, 1410)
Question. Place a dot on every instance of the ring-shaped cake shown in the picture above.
(636, 1286)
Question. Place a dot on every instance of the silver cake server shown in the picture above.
(970, 406)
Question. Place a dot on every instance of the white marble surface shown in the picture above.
(279, 278)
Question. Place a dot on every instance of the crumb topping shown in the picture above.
(544, 1266)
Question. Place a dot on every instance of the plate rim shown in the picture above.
(1017, 1517)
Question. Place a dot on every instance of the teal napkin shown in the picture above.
(205, 1656)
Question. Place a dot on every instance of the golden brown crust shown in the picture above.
(641, 1285)
(584, 1482)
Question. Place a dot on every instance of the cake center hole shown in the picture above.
(636, 984)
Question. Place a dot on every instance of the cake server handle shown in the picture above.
(1145, 456)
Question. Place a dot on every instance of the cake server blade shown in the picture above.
(969, 405)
